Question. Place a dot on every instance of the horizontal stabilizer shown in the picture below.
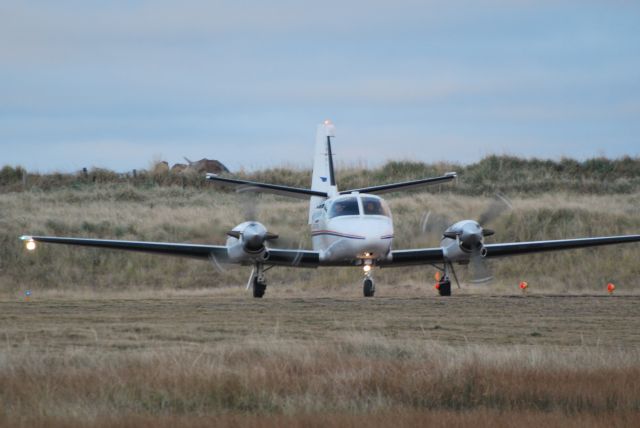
(250, 186)
(405, 185)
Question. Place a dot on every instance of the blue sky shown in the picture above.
(119, 84)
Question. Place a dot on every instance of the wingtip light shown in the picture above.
(29, 243)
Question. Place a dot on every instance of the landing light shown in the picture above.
(30, 245)
(367, 268)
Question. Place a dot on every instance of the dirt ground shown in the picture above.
(226, 359)
(113, 324)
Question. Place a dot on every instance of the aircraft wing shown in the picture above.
(251, 186)
(515, 248)
(423, 256)
(294, 258)
(185, 250)
(419, 256)
(277, 257)
(405, 185)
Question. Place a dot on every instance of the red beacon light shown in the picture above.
(611, 288)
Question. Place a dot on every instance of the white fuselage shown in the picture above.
(352, 227)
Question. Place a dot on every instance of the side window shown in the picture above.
(344, 207)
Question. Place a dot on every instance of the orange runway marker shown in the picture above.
(523, 286)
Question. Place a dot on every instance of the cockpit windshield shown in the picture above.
(347, 206)
(375, 206)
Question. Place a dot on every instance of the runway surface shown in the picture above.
(112, 325)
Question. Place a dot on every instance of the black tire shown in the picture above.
(258, 289)
(368, 288)
(445, 288)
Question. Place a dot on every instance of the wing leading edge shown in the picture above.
(184, 250)
(423, 256)
(277, 257)
(516, 248)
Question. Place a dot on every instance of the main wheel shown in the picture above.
(444, 288)
(258, 288)
(368, 288)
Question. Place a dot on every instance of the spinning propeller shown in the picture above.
(469, 236)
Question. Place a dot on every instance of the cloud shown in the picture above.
(151, 75)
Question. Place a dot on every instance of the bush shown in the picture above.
(11, 175)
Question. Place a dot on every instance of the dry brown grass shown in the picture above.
(204, 215)
(201, 360)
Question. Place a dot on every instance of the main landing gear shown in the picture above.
(444, 286)
(444, 283)
(258, 281)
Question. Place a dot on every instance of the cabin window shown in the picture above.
(348, 206)
(375, 206)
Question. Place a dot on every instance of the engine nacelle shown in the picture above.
(463, 240)
(247, 241)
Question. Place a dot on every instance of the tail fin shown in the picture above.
(323, 177)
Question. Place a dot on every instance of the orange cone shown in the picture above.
(523, 286)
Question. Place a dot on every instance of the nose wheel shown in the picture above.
(368, 287)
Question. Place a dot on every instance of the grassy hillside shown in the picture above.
(509, 174)
(203, 215)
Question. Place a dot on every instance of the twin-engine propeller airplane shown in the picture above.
(348, 228)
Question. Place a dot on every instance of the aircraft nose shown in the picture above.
(378, 239)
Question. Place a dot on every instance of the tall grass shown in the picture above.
(357, 374)
(177, 214)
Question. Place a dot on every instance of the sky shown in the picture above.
(120, 84)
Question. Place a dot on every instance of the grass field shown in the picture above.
(204, 216)
(120, 339)
(218, 357)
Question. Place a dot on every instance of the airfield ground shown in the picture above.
(202, 358)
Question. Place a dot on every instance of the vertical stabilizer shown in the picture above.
(323, 177)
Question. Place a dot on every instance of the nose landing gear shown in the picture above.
(368, 286)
